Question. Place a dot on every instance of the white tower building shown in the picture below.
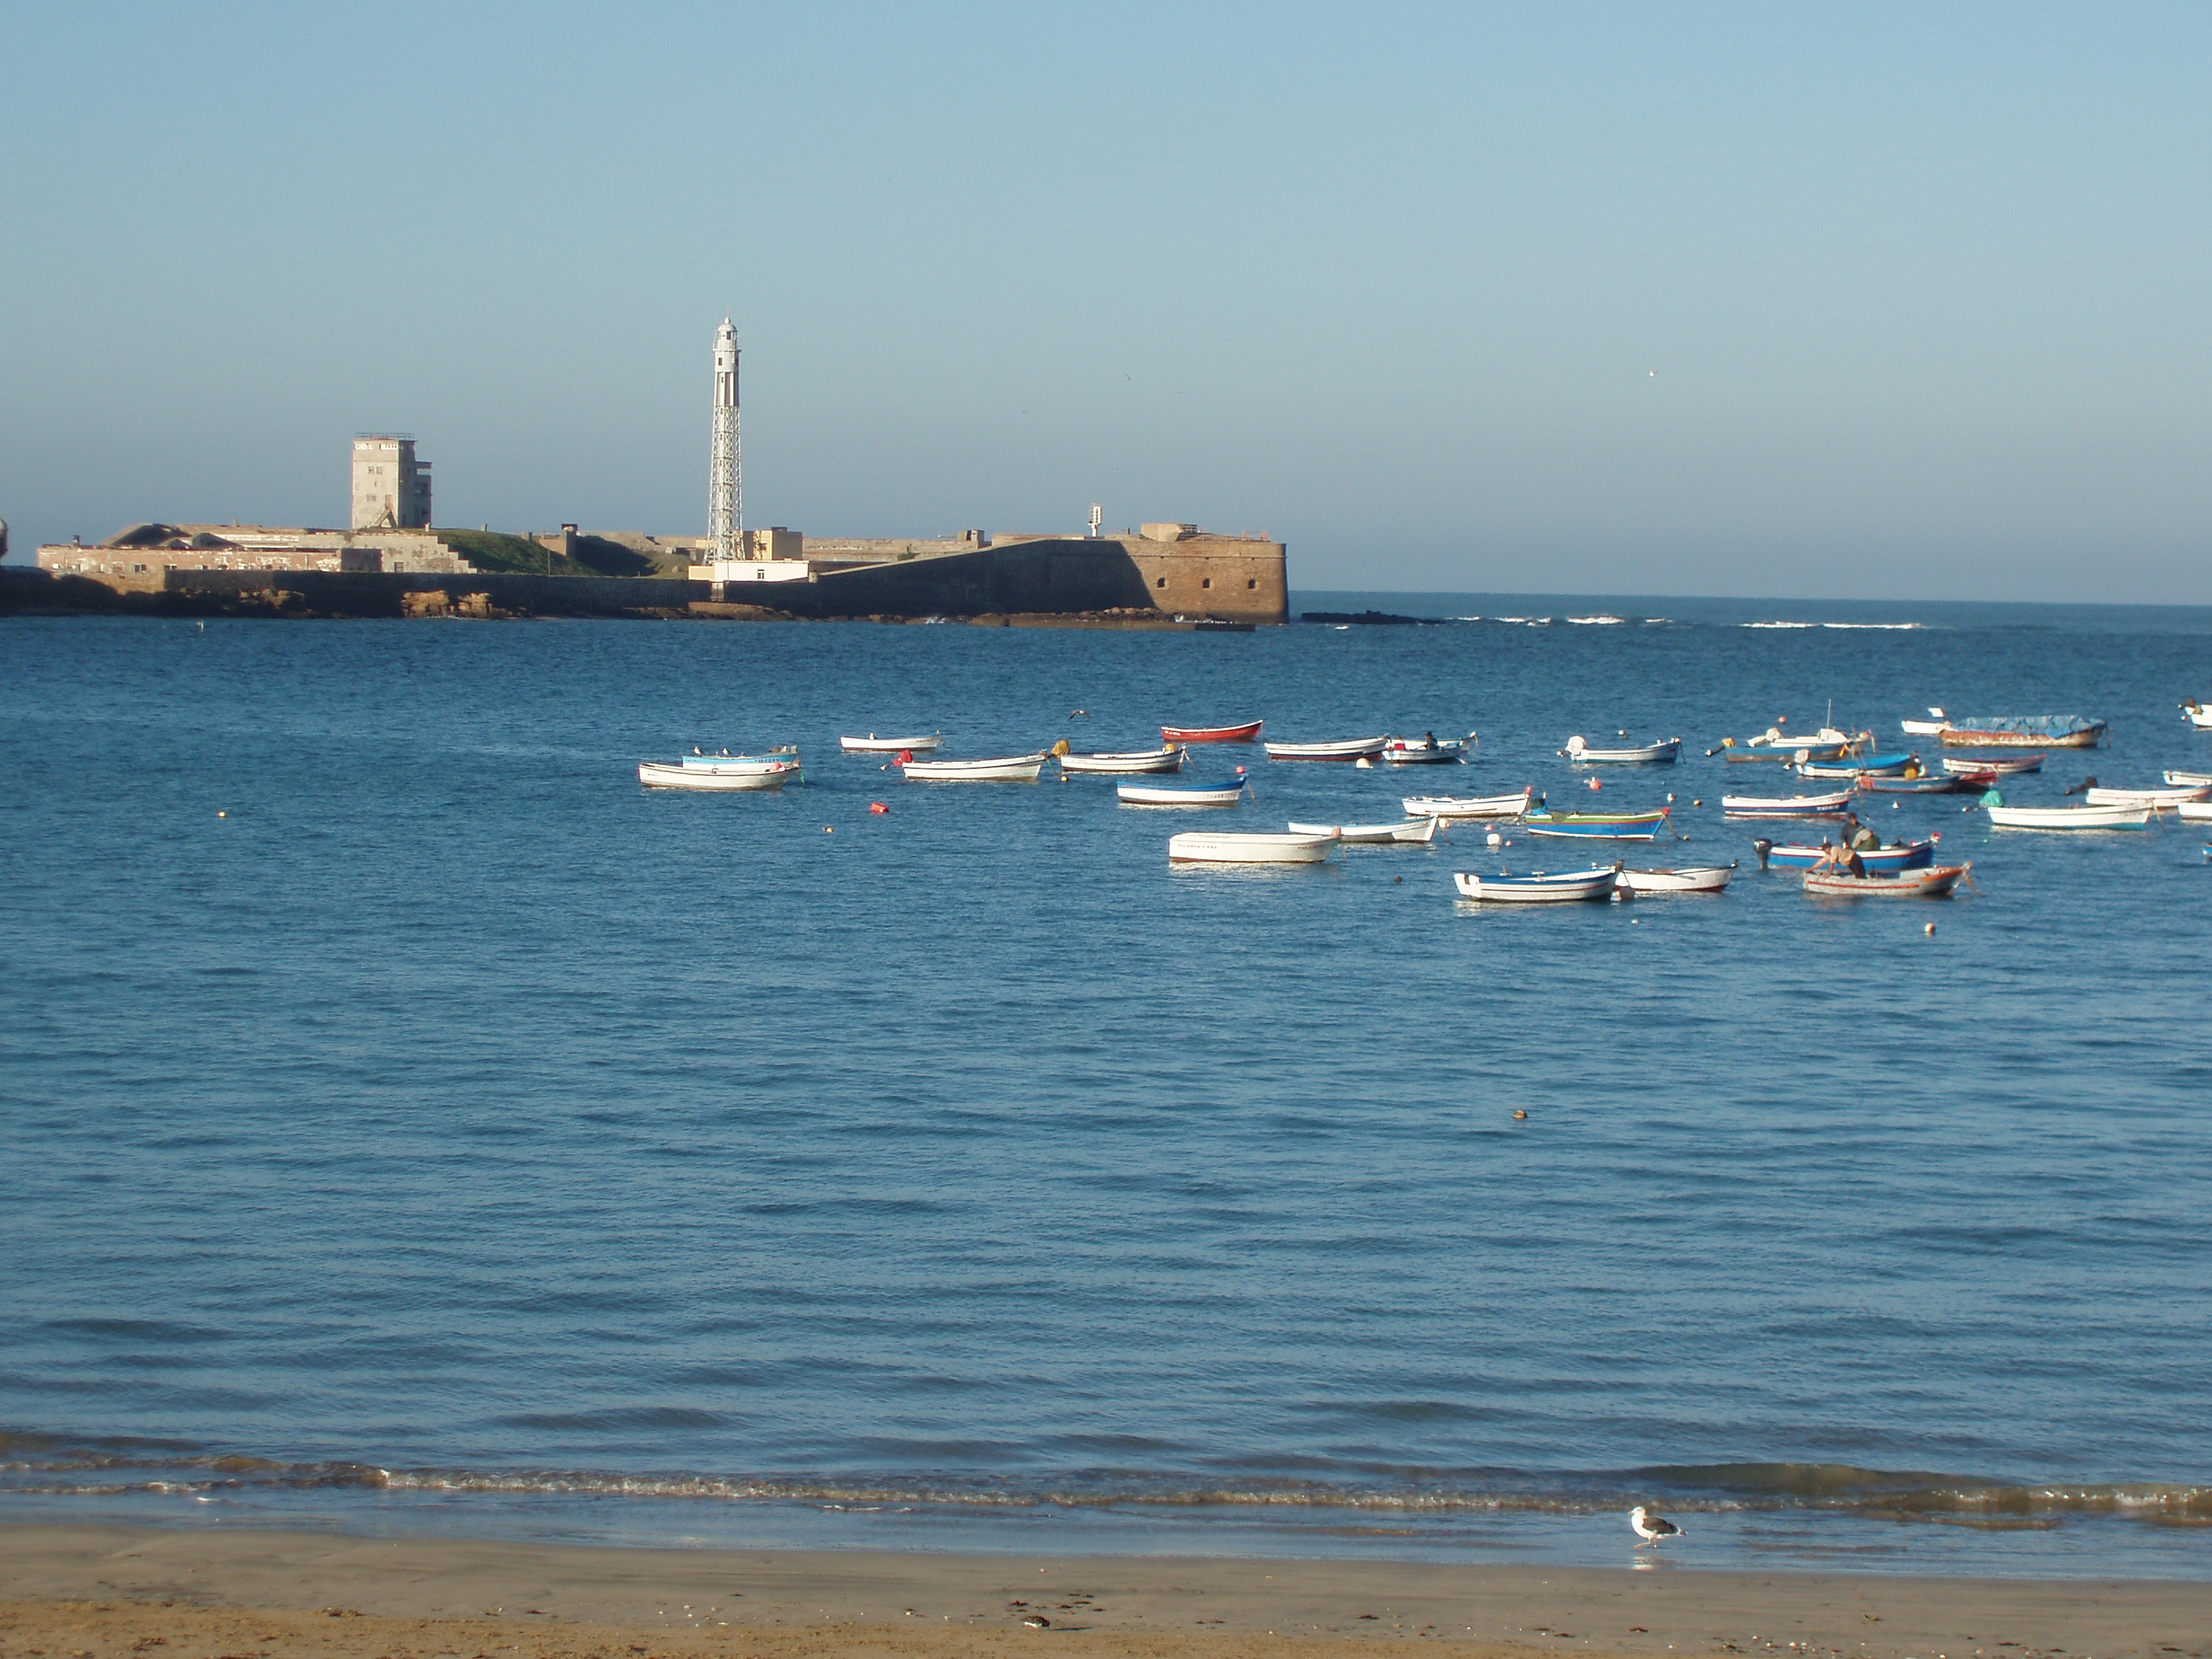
(391, 485)
(725, 490)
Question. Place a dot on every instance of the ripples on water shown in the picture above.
(454, 1135)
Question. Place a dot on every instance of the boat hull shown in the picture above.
(1649, 754)
(1934, 783)
(1935, 882)
(1708, 878)
(1351, 749)
(2027, 734)
(1414, 833)
(2068, 817)
(1170, 759)
(873, 744)
(1579, 886)
(1594, 832)
(1245, 733)
(1140, 795)
(2158, 800)
(1791, 807)
(1991, 766)
(1005, 768)
(1205, 847)
(1913, 855)
(1413, 754)
(655, 775)
(2184, 780)
(1467, 806)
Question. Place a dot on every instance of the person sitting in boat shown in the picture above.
(1856, 835)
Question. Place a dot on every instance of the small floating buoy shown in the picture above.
(1520, 1116)
(1363, 763)
(1697, 803)
(1670, 798)
(221, 814)
(1929, 930)
(1495, 839)
(829, 828)
(1597, 783)
(1632, 921)
(1396, 879)
(878, 808)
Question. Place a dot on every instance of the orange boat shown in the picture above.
(1210, 733)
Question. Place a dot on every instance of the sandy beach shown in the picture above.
(87, 1592)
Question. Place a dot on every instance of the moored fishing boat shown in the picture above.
(1995, 766)
(1244, 733)
(1898, 855)
(1927, 728)
(1255, 846)
(1414, 832)
(1344, 749)
(1601, 826)
(2197, 714)
(2195, 811)
(1850, 767)
(2182, 780)
(1184, 794)
(753, 773)
(1467, 806)
(1004, 769)
(1167, 759)
(1935, 882)
(873, 744)
(2164, 800)
(1698, 878)
(1427, 751)
(2068, 817)
(721, 760)
(2023, 731)
(1914, 783)
(1536, 887)
(1662, 754)
(1786, 806)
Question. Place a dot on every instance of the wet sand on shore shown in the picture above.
(93, 1591)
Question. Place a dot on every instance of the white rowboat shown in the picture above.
(1431, 752)
(1167, 759)
(757, 774)
(1005, 768)
(1345, 750)
(1581, 754)
(1536, 888)
(1707, 879)
(2156, 800)
(873, 744)
(1258, 846)
(1786, 807)
(1182, 795)
(2069, 817)
(2188, 780)
(1416, 832)
(1467, 806)
(2196, 812)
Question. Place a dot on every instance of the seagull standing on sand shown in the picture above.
(1650, 1528)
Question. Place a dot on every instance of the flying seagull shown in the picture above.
(1649, 1528)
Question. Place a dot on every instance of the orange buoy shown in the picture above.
(878, 808)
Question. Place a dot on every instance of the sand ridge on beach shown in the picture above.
(91, 1592)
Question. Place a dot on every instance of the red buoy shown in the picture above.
(877, 807)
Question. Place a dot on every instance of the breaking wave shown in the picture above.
(35, 1466)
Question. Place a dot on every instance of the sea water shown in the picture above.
(409, 1123)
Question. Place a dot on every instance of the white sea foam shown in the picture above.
(1596, 622)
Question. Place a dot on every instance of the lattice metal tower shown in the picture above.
(725, 490)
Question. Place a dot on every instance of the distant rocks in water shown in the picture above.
(1371, 617)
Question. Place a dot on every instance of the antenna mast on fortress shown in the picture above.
(725, 490)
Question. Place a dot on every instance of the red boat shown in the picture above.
(1210, 733)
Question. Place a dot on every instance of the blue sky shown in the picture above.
(1785, 299)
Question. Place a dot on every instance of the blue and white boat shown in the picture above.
(1184, 794)
(1903, 855)
(1852, 769)
(1536, 887)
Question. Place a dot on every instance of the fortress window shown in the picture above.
(1207, 582)
(1251, 581)
(1162, 582)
